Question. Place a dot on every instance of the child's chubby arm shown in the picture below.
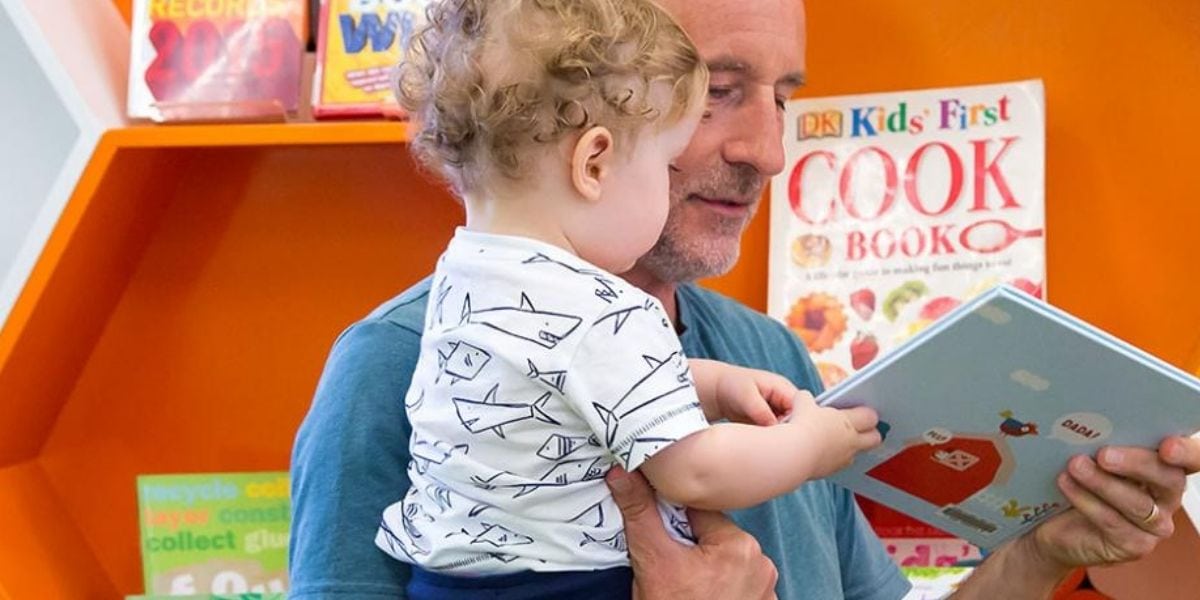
(741, 394)
(733, 465)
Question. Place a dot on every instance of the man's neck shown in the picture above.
(651, 284)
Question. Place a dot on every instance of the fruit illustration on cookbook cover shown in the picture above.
(934, 309)
(819, 320)
(863, 303)
(863, 350)
(902, 295)
(831, 374)
(1029, 287)
(811, 250)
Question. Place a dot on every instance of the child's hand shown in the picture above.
(740, 394)
(839, 433)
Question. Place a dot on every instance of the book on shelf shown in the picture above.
(982, 410)
(359, 44)
(895, 207)
(215, 533)
(192, 61)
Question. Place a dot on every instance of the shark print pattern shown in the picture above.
(491, 415)
(440, 495)
(667, 375)
(606, 289)
(496, 536)
(554, 379)
(439, 310)
(592, 516)
(619, 317)
(537, 371)
(425, 453)
(416, 403)
(561, 474)
(558, 446)
(642, 448)
(543, 328)
(615, 542)
(461, 361)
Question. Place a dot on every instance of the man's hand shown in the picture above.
(1123, 505)
(725, 563)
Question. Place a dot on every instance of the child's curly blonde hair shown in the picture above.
(487, 79)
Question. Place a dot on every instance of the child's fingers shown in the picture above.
(777, 390)
(862, 418)
(760, 414)
(780, 402)
(751, 405)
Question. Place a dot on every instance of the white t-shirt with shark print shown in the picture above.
(538, 371)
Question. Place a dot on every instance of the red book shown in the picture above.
(215, 60)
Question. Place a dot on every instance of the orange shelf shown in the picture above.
(226, 254)
(274, 134)
(179, 316)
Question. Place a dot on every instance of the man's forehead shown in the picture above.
(762, 38)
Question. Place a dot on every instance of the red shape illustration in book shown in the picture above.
(949, 472)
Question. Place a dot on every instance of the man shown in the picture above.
(351, 453)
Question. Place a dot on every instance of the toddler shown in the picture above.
(555, 122)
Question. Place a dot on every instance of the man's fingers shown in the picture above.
(1144, 468)
(1120, 499)
(710, 524)
(1128, 540)
(644, 530)
(1181, 452)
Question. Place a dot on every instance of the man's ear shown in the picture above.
(591, 162)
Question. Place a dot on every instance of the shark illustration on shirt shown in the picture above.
(425, 453)
(525, 322)
(554, 379)
(564, 473)
(491, 415)
(461, 361)
(668, 375)
(620, 316)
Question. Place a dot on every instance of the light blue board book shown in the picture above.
(982, 410)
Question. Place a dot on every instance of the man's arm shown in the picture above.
(1112, 520)
(349, 462)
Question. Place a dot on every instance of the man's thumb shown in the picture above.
(639, 508)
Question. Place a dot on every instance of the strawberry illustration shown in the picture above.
(1027, 286)
(863, 350)
(863, 303)
(938, 307)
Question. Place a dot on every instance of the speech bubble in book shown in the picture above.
(1082, 428)
(937, 435)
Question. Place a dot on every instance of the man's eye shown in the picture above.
(719, 93)
(781, 102)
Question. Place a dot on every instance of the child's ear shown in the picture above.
(591, 162)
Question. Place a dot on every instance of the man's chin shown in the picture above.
(672, 263)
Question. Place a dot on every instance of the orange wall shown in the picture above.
(209, 357)
(1123, 197)
(1122, 90)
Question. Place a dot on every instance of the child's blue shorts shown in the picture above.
(606, 584)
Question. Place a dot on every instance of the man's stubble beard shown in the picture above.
(697, 242)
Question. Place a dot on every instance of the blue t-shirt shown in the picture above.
(351, 456)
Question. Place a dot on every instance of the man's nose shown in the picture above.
(758, 140)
